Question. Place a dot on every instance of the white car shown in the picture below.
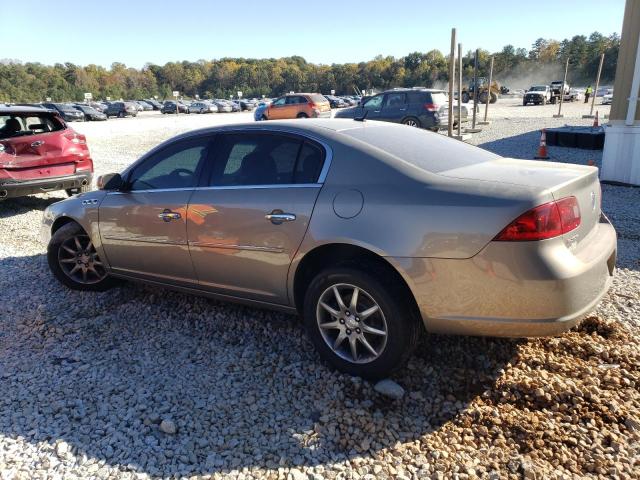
(202, 107)
(607, 98)
(574, 95)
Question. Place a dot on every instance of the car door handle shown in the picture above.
(37, 143)
(167, 215)
(278, 216)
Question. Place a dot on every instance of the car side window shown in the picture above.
(265, 159)
(280, 101)
(176, 166)
(309, 164)
(302, 100)
(374, 103)
(292, 100)
(394, 100)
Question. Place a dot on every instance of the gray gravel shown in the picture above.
(141, 382)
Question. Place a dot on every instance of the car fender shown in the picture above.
(82, 209)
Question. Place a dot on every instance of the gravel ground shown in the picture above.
(141, 382)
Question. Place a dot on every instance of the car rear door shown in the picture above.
(246, 225)
(373, 107)
(143, 227)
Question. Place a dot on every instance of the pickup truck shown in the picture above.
(559, 88)
(537, 94)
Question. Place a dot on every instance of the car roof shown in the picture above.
(437, 90)
(20, 109)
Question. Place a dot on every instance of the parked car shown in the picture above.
(298, 105)
(154, 103)
(469, 237)
(537, 94)
(574, 95)
(101, 107)
(121, 109)
(67, 112)
(247, 104)
(607, 98)
(202, 107)
(89, 112)
(335, 102)
(416, 107)
(258, 113)
(40, 153)
(169, 106)
(223, 106)
(602, 91)
(145, 106)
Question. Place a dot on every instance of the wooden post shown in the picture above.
(452, 71)
(486, 105)
(564, 82)
(593, 100)
(475, 88)
(459, 89)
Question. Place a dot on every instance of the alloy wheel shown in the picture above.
(351, 323)
(79, 260)
(411, 123)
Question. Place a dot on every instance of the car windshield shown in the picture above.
(538, 88)
(21, 124)
(424, 150)
(316, 98)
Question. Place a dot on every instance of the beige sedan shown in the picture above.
(372, 232)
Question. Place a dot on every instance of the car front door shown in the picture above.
(373, 107)
(394, 107)
(143, 227)
(245, 227)
(278, 109)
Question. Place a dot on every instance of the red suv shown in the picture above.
(40, 153)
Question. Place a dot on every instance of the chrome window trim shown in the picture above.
(251, 187)
(183, 189)
(232, 128)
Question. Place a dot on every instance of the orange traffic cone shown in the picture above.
(595, 121)
(591, 163)
(542, 149)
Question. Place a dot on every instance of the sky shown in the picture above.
(135, 32)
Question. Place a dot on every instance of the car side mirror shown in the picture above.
(110, 181)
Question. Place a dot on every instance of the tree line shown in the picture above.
(514, 67)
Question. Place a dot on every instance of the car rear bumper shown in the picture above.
(514, 289)
(13, 188)
(325, 114)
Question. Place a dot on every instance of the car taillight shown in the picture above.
(431, 107)
(76, 138)
(545, 221)
(312, 105)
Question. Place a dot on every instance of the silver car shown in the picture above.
(202, 107)
(372, 232)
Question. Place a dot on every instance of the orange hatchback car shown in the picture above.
(298, 105)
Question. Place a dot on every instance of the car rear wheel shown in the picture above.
(73, 260)
(302, 115)
(358, 324)
(121, 115)
(411, 122)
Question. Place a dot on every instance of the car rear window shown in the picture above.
(439, 98)
(428, 151)
(317, 98)
(19, 125)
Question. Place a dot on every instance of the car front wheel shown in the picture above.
(358, 324)
(73, 260)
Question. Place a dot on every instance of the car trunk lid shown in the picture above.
(558, 180)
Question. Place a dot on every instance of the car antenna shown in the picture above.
(362, 118)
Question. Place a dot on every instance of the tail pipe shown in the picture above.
(85, 182)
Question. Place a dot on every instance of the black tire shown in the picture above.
(264, 117)
(465, 97)
(63, 234)
(494, 98)
(81, 189)
(412, 121)
(121, 115)
(302, 115)
(482, 98)
(524, 103)
(403, 328)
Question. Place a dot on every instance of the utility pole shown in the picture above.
(452, 71)
(564, 82)
(459, 90)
